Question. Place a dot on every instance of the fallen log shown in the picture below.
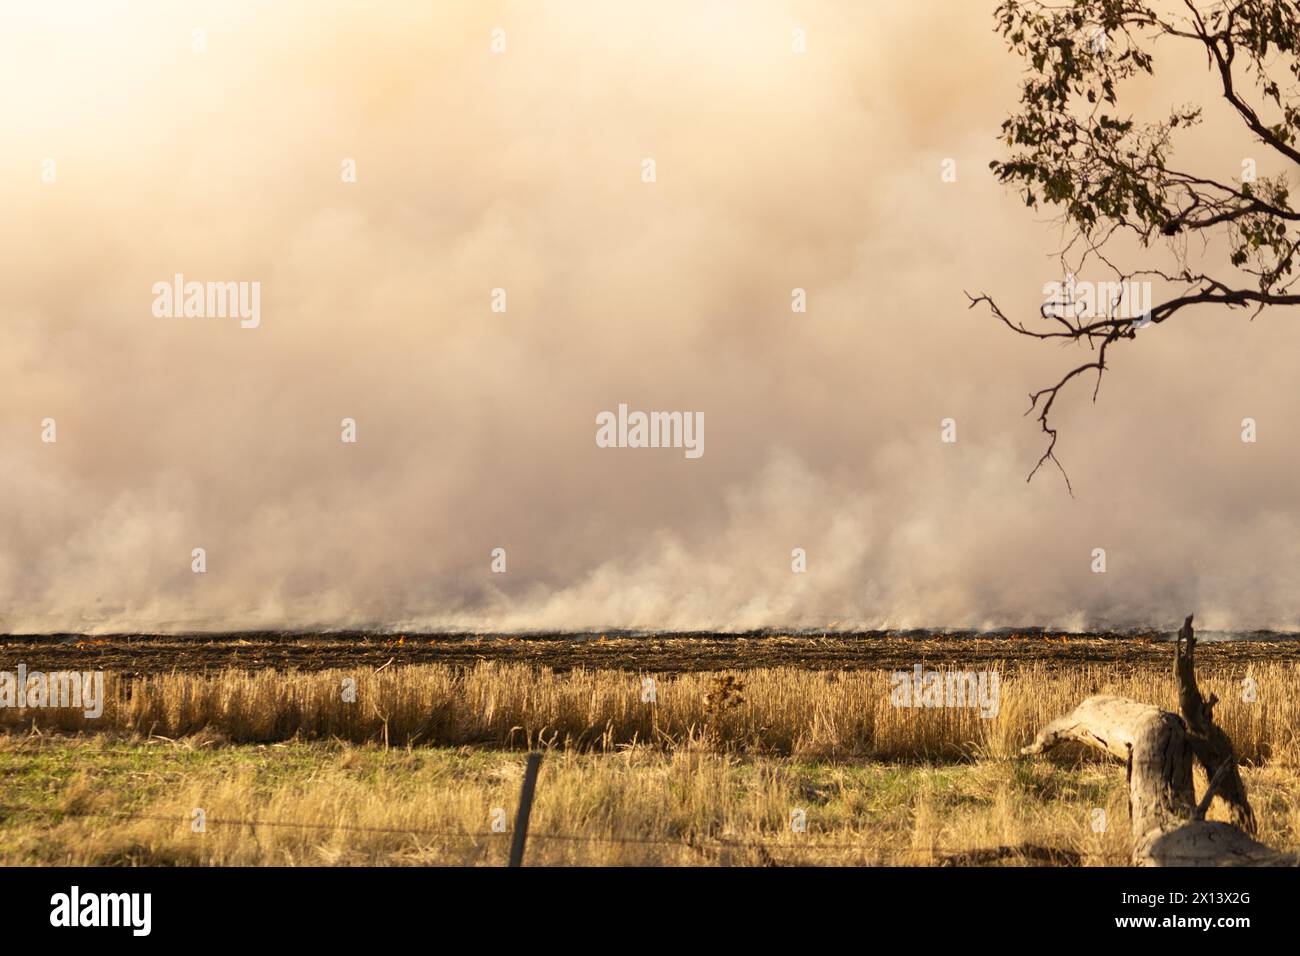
(1159, 749)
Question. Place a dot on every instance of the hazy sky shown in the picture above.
(522, 170)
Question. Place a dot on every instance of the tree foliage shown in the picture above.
(1075, 150)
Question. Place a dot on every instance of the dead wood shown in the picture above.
(1160, 749)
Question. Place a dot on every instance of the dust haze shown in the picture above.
(522, 170)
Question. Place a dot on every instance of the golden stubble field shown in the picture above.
(420, 764)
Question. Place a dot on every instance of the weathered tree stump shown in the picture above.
(1159, 748)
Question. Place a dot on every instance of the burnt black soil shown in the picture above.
(665, 654)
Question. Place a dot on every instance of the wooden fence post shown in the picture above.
(525, 808)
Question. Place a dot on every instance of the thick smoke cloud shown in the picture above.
(476, 429)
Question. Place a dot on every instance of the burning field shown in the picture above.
(662, 654)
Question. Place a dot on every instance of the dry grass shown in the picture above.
(289, 772)
(98, 802)
(822, 715)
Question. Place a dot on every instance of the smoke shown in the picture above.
(476, 429)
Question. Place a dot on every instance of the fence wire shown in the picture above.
(702, 843)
